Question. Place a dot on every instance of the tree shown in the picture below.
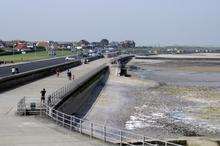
(83, 43)
(104, 42)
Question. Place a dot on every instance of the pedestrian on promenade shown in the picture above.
(17, 70)
(43, 93)
(73, 77)
(69, 74)
(58, 72)
(49, 101)
(13, 70)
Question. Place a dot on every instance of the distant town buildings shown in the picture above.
(2, 44)
(52, 46)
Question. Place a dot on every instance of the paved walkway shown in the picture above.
(33, 130)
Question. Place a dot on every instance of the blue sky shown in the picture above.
(148, 22)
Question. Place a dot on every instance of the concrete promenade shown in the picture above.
(34, 130)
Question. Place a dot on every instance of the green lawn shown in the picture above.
(33, 56)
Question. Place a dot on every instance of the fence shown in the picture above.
(66, 90)
(93, 130)
(83, 126)
(21, 107)
(102, 132)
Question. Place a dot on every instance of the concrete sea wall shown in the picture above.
(82, 98)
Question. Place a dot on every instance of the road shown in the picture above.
(24, 67)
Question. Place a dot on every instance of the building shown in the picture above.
(43, 44)
(21, 46)
(2, 44)
(127, 44)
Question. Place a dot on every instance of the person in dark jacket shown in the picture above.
(69, 74)
(43, 93)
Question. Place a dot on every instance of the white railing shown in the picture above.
(102, 132)
(21, 107)
(92, 129)
(59, 94)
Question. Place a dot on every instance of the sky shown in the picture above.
(148, 22)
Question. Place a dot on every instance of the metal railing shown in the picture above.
(99, 131)
(59, 94)
(93, 129)
(21, 107)
(29, 105)
(84, 126)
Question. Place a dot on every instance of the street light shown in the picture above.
(13, 52)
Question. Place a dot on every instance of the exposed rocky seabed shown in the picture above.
(163, 99)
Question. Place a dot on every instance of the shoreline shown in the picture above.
(147, 107)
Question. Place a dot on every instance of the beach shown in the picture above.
(161, 100)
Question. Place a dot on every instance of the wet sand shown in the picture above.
(161, 100)
(115, 103)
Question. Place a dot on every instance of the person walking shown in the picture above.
(43, 93)
(73, 77)
(58, 72)
(69, 74)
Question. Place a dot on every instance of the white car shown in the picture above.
(70, 58)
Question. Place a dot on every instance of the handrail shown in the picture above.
(59, 94)
(102, 132)
(92, 129)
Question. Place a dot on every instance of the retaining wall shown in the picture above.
(82, 98)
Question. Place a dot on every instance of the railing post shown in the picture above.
(80, 125)
(91, 130)
(71, 122)
(57, 117)
(143, 141)
(121, 138)
(104, 131)
(63, 119)
(165, 143)
(25, 111)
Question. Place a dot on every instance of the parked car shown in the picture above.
(72, 58)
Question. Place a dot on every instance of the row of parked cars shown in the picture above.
(85, 58)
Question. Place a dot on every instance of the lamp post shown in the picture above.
(13, 51)
(35, 49)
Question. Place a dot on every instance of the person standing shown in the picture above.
(43, 93)
(17, 70)
(13, 70)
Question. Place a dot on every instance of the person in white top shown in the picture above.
(13, 70)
